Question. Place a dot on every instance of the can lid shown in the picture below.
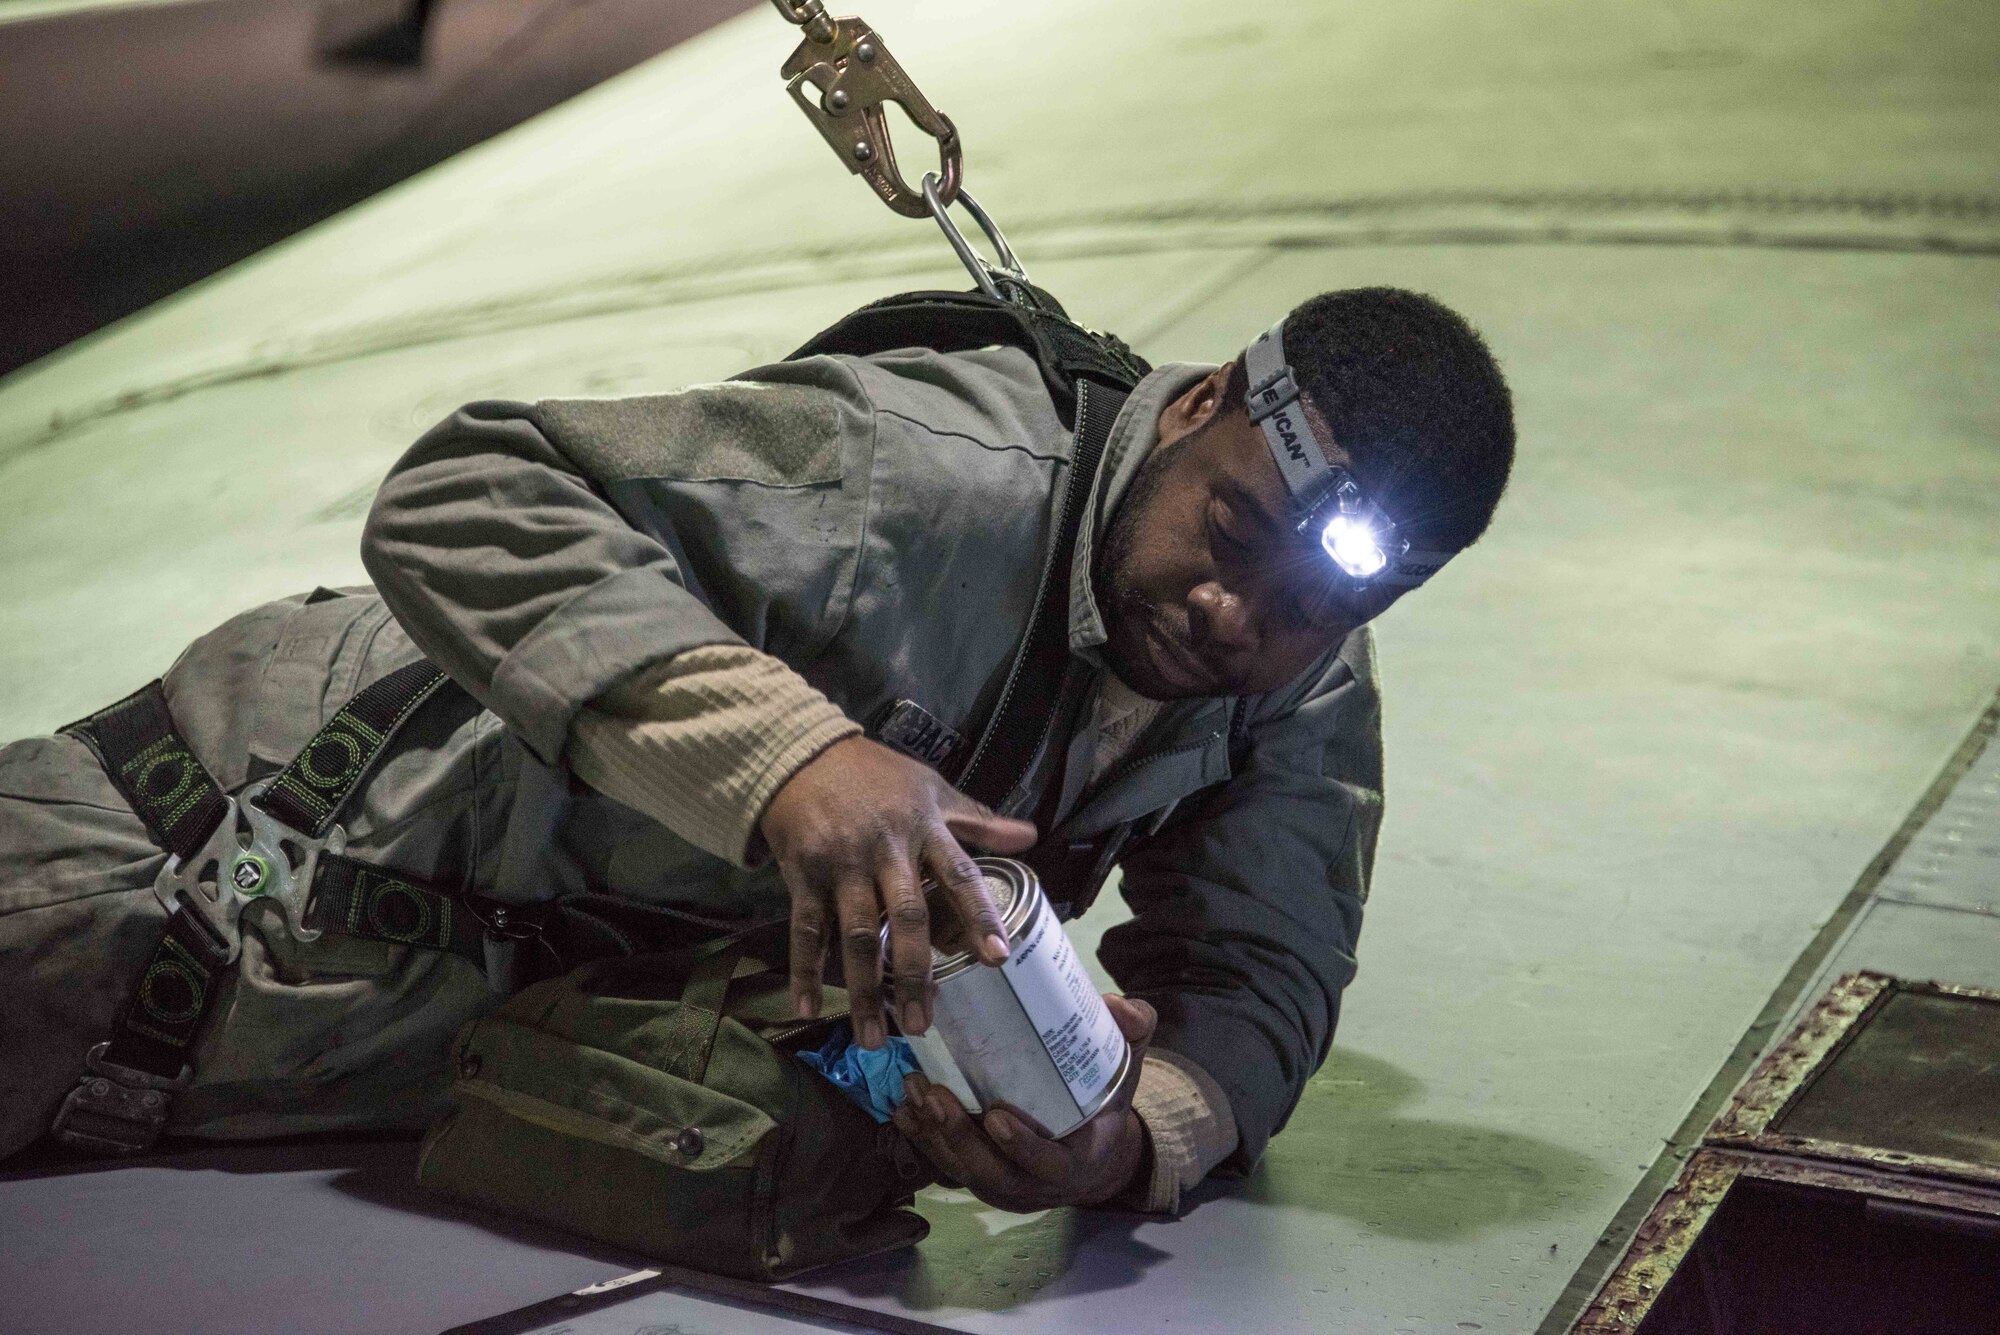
(1013, 888)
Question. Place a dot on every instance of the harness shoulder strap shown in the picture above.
(351, 897)
(309, 792)
(1089, 376)
(121, 1101)
(155, 770)
(1041, 684)
(961, 321)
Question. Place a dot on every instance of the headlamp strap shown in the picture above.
(1273, 401)
(1318, 487)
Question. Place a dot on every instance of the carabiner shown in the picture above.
(854, 75)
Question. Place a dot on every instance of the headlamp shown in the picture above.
(1353, 546)
(1327, 500)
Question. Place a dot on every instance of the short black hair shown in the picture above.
(1412, 393)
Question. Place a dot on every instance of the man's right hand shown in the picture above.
(854, 833)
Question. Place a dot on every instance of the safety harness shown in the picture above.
(277, 839)
(280, 838)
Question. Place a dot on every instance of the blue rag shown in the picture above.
(872, 1081)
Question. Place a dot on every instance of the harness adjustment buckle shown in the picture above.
(116, 1110)
(509, 927)
(254, 856)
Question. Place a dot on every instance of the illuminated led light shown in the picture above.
(1352, 544)
(1365, 543)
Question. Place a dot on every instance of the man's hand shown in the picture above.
(1005, 1162)
(854, 833)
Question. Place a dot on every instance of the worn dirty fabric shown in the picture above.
(703, 742)
(544, 555)
(329, 1035)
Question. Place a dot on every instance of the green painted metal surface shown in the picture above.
(1742, 262)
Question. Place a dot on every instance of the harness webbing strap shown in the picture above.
(961, 321)
(1088, 375)
(355, 899)
(160, 1024)
(309, 792)
(1037, 684)
(123, 1099)
(155, 770)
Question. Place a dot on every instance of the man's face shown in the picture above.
(1204, 585)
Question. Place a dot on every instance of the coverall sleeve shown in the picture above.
(544, 553)
(514, 574)
(1247, 904)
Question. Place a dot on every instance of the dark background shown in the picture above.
(144, 148)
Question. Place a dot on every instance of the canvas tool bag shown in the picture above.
(653, 1102)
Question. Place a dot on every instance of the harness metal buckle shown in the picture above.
(509, 968)
(116, 1109)
(854, 75)
(989, 274)
(254, 856)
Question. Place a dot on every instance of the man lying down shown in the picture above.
(683, 629)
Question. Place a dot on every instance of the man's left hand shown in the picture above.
(1001, 1158)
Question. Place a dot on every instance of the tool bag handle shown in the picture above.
(689, 1039)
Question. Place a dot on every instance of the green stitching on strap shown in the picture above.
(361, 901)
(155, 770)
(319, 787)
(310, 790)
(187, 787)
(171, 961)
(368, 911)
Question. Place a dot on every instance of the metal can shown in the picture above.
(1033, 1033)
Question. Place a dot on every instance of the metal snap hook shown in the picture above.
(845, 63)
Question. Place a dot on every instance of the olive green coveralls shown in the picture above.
(877, 523)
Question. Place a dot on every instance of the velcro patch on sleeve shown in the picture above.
(736, 431)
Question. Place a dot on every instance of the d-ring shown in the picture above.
(983, 272)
